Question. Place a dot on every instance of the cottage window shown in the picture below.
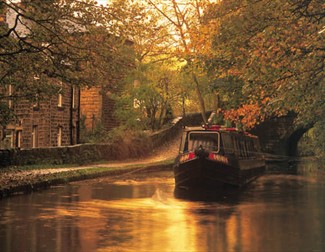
(35, 136)
(60, 96)
(73, 90)
(36, 103)
(60, 100)
(18, 138)
(5, 139)
(60, 136)
(10, 92)
(9, 139)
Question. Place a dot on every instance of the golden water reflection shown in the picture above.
(159, 223)
(279, 213)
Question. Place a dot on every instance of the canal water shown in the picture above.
(277, 212)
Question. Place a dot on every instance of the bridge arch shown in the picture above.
(279, 135)
(293, 139)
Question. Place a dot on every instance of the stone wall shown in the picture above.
(274, 133)
(108, 118)
(87, 153)
(91, 103)
(77, 154)
(38, 124)
(160, 137)
(97, 107)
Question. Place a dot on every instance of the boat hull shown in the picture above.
(206, 173)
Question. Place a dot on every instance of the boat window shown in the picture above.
(208, 140)
(251, 150)
(242, 147)
(236, 145)
(228, 146)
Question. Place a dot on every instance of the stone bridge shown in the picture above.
(279, 135)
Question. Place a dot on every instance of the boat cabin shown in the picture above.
(222, 140)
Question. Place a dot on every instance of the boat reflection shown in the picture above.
(230, 195)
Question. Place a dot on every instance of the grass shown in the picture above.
(35, 167)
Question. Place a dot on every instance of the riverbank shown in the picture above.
(26, 179)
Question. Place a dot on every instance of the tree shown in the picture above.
(150, 90)
(49, 42)
(190, 36)
(170, 46)
(146, 102)
(276, 48)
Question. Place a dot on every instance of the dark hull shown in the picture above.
(206, 173)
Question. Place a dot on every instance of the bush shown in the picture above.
(97, 135)
(313, 142)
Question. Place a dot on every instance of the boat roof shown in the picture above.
(217, 128)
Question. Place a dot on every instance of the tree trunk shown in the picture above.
(183, 106)
(215, 114)
(216, 103)
(200, 98)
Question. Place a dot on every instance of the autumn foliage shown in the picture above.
(275, 48)
(248, 115)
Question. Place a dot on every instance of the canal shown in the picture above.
(277, 212)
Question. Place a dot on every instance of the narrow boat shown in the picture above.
(214, 156)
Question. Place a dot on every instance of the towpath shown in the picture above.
(20, 180)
